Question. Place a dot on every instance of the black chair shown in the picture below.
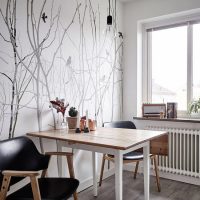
(134, 156)
(19, 157)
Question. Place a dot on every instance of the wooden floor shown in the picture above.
(133, 190)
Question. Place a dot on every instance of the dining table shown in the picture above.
(114, 141)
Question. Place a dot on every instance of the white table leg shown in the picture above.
(118, 175)
(94, 164)
(41, 145)
(146, 171)
(59, 159)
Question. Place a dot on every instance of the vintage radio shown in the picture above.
(154, 110)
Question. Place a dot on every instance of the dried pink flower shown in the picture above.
(59, 105)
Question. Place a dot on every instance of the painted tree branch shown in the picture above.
(10, 22)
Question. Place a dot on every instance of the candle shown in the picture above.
(78, 121)
(87, 122)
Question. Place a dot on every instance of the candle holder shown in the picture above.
(78, 130)
(86, 130)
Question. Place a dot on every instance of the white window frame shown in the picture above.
(144, 49)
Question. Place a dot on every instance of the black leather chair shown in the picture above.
(134, 156)
(19, 157)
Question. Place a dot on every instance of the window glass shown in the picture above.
(196, 61)
(169, 66)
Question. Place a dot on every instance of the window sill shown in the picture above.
(189, 120)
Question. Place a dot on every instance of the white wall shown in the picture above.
(86, 71)
(134, 11)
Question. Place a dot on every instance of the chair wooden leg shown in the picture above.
(35, 188)
(136, 169)
(71, 172)
(102, 169)
(157, 173)
(4, 187)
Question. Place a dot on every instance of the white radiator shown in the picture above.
(184, 152)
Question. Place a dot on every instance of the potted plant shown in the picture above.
(194, 107)
(72, 119)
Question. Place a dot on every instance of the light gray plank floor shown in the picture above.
(133, 189)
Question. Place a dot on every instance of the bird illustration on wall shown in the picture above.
(44, 17)
(120, 35)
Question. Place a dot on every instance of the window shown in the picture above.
(196, 61)
(173, 63)
(169, 58)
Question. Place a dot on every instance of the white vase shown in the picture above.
(61, 124)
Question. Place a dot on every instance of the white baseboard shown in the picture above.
(181, 178)
(171, 176)
(89, 182)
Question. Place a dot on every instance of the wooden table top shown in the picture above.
(115, 138)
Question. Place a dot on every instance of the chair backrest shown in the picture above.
(120, 124)
(21, 154)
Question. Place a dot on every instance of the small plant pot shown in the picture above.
(72, 121)
(195, 115)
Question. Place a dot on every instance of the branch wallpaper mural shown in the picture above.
(61, 49)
